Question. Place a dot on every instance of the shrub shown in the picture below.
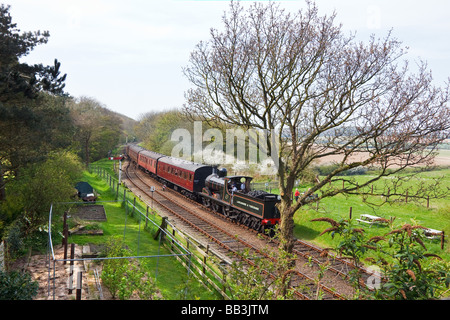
(123, 277)
(17, 286)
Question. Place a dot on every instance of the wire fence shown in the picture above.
(205, 264)
(199, 260)
(178, 250)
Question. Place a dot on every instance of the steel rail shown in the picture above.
(218, 241)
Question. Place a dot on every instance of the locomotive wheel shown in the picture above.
(254, 223)
(225, 212)
(243, 219)
(215, 207)
(258, 226)
(206, 202)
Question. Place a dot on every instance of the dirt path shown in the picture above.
(54, 282)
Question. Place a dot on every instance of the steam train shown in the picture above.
(229, 195)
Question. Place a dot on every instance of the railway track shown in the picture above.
(304, 285)
(315, 255)
(335, 264)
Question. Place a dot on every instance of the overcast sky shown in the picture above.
(129, 55)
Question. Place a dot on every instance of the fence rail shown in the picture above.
(199, 261)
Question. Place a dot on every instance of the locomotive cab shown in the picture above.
(232, 196)
(238, 184)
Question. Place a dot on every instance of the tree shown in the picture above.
(155, 129)
(321, 93)
(36, 188)
(24, 118)
(29, 133)
(20, 80)
(97, 128)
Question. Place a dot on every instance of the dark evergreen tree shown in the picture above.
(19, 80)
(26, 124)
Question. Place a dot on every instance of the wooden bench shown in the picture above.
(364, 221)
(432, 233)
(370, 219)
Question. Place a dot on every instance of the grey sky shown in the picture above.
(129, 54)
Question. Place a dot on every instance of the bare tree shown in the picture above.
(322, 92)
(98, 129)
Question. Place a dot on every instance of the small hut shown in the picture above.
(85, 191)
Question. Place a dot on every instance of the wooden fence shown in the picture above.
(205, 265)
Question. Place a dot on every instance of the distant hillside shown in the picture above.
(128, 124)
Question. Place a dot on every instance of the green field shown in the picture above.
(437, 216)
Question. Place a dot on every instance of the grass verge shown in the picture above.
(171, 278)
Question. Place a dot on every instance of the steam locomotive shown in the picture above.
(229, 195)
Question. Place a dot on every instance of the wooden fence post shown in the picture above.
(162, 227)
(204, 259)
(173, 239)
(79, 284)
(65, 236)
(72, 256)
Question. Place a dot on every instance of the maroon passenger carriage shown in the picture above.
(204, 183)
(184, 176)
(132, 151)
(145, 159)
(148, 161)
